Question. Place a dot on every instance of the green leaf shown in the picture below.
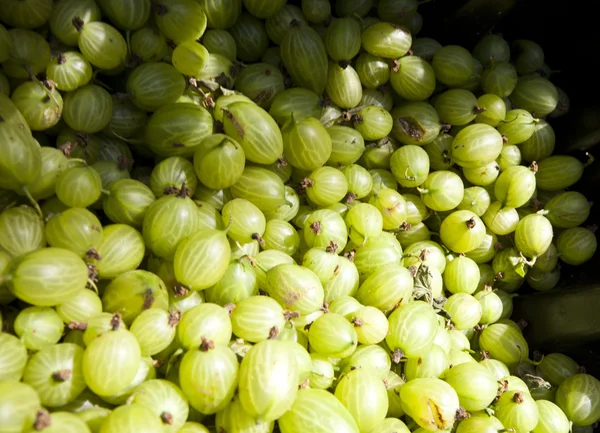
(422, 284)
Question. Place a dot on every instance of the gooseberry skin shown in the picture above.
(504, 343)
(320, 412)
(202, 259)
(22, 231)
(266, 394)
(41, 107)
(217, 364)
(419, 396)
(365, 229)
(552, 418)
(517, 410)
(13, 358)
(38, 327)
(131, 418)
(79, 186)
(19, 406)
(365, 397)
(115, 352)
(47, 277)
(533, 235)
(412, 328)
(474, 384)
(386, 40)
(462, 231)
(577, 397)
(576, 245)
(476, 145)
(63, 362)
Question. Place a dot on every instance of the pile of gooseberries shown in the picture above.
(247, 216)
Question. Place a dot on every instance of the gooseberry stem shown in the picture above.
(128, 41)
(172, 360)
(47, 91)
(529, 263)
(229, 224)
(33, 202)
(78, 160)
(93, 286)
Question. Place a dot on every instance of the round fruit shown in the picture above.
(178, 129)
(101, 44)
(47, 277)
(88, 109)
(305, 57)
(386, 40)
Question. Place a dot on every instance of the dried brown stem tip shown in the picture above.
(166, 418)
(78, 23)
(445, 127)
(148, 299)
(174, 318)
(115, 322)
(229, 308)
(405, 226)
(462, 414)
(42, 420)
(207, 345)
(357, 321)
(79, 326)
(93, 254)
(350, 255)
(62, 375)
(471, 223)
(273, 333)
(332, 247)
(316, 227)
(534, 166)
(184, 191)
(397, 356)
(306, 183)
(518, 397)
(350, 197)
(258, 238)
(289, 315)
(281, 162)
(92, 273)
(180, 291)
